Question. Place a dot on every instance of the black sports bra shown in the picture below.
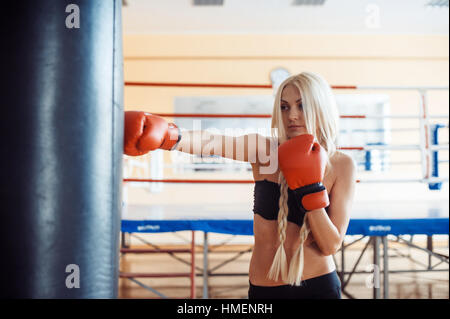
(266, 202)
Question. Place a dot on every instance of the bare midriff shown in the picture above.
(267, 241)
(266, 245)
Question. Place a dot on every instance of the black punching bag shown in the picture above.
(62, 133)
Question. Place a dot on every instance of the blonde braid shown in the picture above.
(279, 263)
(296, 265)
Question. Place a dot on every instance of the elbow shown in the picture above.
(327, 252)
(330, 250)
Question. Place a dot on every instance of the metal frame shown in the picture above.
(381, 261)
(131, 276)
(376, 242)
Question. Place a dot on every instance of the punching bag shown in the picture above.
(61, 160)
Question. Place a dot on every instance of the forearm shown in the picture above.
(325, 233)
(196, 142)
(246, 148)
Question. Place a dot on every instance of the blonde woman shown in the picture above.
(303, 191)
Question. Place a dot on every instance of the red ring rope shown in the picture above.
(215, 115)
(222, 85)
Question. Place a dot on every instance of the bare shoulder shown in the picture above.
(343, 164)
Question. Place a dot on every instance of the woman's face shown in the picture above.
(292, 111)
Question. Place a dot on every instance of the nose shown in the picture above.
(294, 114)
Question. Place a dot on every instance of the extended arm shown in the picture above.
(145, 132)
(247, 148)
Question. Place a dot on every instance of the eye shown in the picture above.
(284, 107)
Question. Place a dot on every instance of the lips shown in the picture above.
(295, 126)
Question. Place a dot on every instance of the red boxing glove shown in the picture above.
(145, 132)
(302, 162)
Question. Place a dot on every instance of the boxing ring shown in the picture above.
(373, 222)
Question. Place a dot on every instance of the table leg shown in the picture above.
(385, 268)
(376, 270)
(430, 248)
(193, 265)
(205, 266)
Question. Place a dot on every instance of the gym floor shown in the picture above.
(411, 285)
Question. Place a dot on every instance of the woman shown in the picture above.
(292, 254)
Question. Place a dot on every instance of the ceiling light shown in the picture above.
(207, 2)
(308, 2)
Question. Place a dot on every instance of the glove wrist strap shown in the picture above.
(178, 140)
(306, 190)
(169, 142)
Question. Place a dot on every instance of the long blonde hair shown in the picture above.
(321, 120)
